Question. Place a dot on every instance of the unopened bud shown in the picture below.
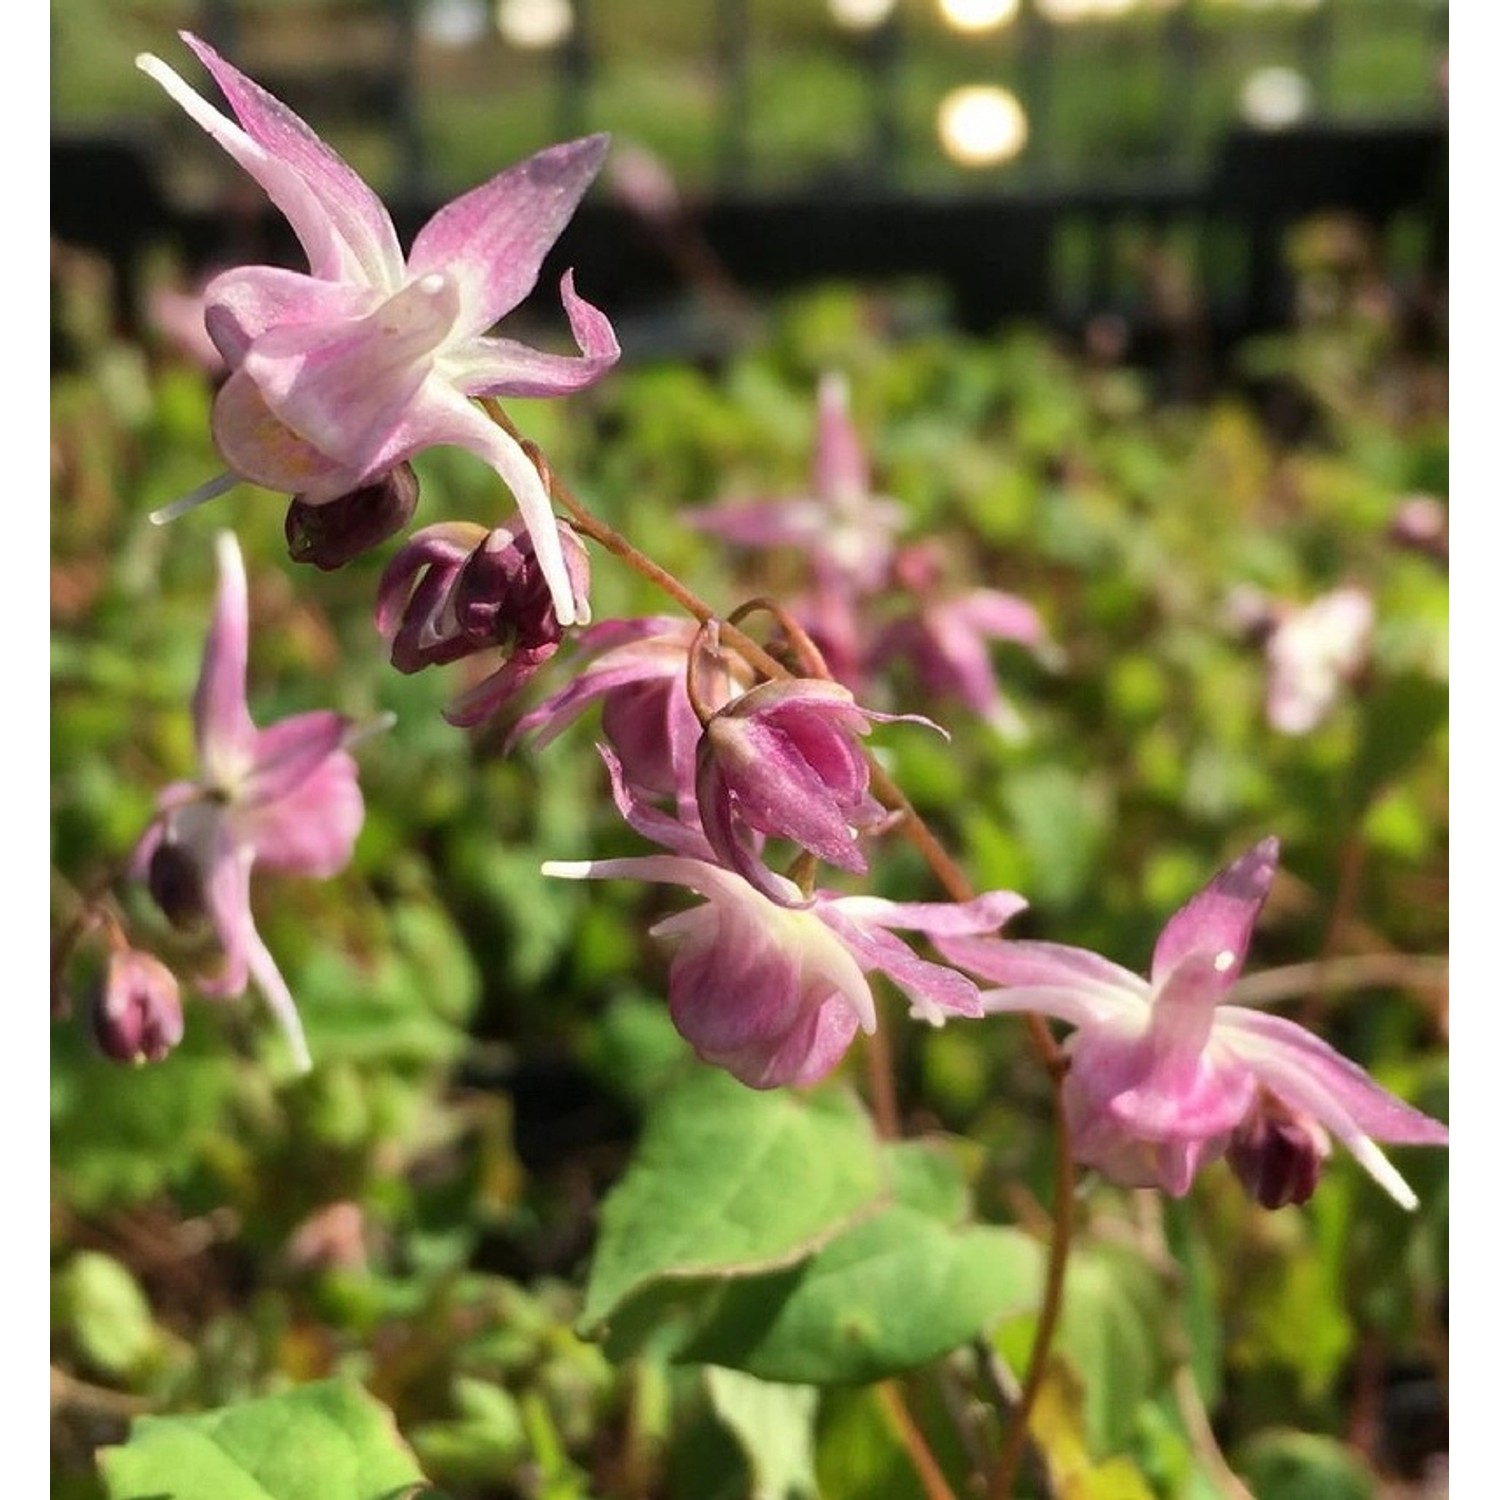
(1278, 1155)
(137, 1013)
(335, 532)
(176, 884)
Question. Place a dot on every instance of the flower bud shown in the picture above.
(455, 590)
(1278, 1154)
(137, 1012)
(334, 532)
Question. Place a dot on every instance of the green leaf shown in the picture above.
(729, 1181)
(100, 1301)
(1303, 1466)
(326, 1441)
(885, 1296)
(774, 1425)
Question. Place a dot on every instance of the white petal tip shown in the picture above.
(215, 487)
(568, 869)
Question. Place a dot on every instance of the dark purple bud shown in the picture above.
(137, 1013)
(337, 531)
(455, 590)
(176, 884)
(1278, 1155)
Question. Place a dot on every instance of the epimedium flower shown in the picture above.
(774, 988)
(947, 637)
(456, 589)
(638, 670)
(1164, 1076)
(845, 531)
(1312, 652)
(784, 759)
(282, 798)
(339, 374)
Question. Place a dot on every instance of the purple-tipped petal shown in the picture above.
(221, 721)
(494, 238)
(1218, 921)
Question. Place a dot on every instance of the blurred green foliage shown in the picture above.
(418, 1214)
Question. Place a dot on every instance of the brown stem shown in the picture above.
(953, 881)
(813, 663)
(934, 1485)
(882, 1078)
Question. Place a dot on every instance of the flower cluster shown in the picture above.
(746, 777)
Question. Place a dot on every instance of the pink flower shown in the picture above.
(845, 532)
(639, 671)
(1165, 1076)
(137, 1014)
(947, 639)
(285, 798)
(339, 375)
(1311, 653)
(784, 759)
(455, 589)
(773, 990)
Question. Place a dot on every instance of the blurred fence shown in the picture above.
(1036, 242)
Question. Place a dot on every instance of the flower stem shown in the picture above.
(934, 1485)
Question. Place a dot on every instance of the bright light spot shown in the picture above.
(1107, 8)
(860, 15)
(1224, 962)
(534, 23)
(978, 15)
(453, 23)
(981, 125)
(1274, 98)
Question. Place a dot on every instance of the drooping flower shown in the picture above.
(137, 1012)
(845, 532)
(342, 373)
(335, 532)
(1165, 1076)
(946, 638)
(784, 760)
(282, 798)
(638, 669)
(456, 589)
(773, 990)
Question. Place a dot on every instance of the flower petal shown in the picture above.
(443, 416)
(353, 212)
(345, 386)
(1021, 961)
(503, 367)
(260, 447)
(493, 239)
(242, 304)
(935, 991)
(221, 720)
(287, 753)
(838, 462)
(1218, 921)
(310, 831)
(1309, 1075)
(363, 239)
